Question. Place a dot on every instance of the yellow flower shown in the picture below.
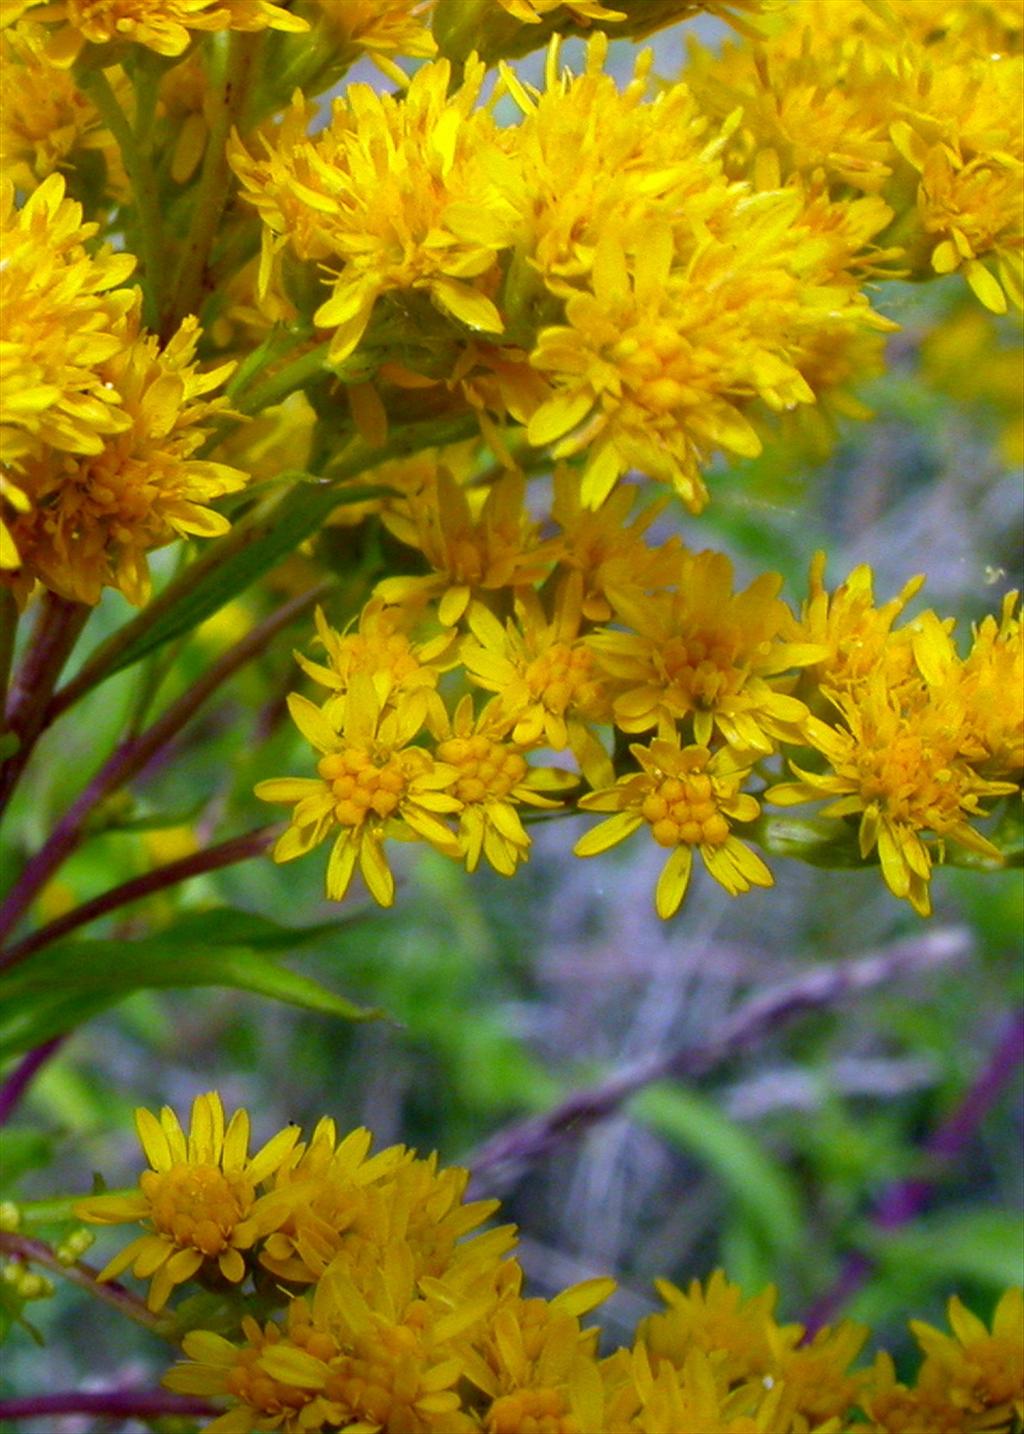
(396, 194)
(686, 797)
(199, 1197)
(59, 322)
(992, 684)
(494, 777)
(896, 762)
(46, 122)
(978, 1370)
(161, 25)
(378, 645)
(372, 784)
(608, 547)
(536, 1365)
(472, 548)
(544, 673)
(707, 656)
(373, 1358)
(219, 1368)
(713, 1317)
(379, 29)
(97, 514)
(856, 635)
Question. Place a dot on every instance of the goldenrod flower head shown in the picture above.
(471, 547)
(199, 1197)
(536, 1365)
(607, 546)
(896, 762)
(97, 514)
(404, 672)
(992, 686)
(857, 636)
(815, 1373)
(60, 323)
(396, 194)
(544, 672)
(978, 1370)
(707, 656)
(594, 156)
(380, 29)
(165, 26)
(46, 122)
(713, 1317)
(494, 777)
(686, 797)
(372, 783)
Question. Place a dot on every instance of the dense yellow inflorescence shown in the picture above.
(392, 1311)
(608, 280)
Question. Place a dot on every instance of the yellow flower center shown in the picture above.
(374, 653)
(561, 676)
(380, 1381)
(197, 1206)
(486, 768)
(531, 1411)
(260, 1391)
(682, 811)
(912, 781)
(700, 667)
(363, 785)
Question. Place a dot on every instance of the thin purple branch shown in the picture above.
(109, 1403)
(132, 756)
(904, 1201)
(16, 1084)
(58, 627)
(211, 858)
(498, 1162)
(110, 1292)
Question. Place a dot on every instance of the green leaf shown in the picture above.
(68, 983)
(21, 1150)
(225, 569)
(953, 1245)
(763, 1193)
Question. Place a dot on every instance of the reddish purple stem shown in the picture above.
(110, 1403)
(904, 1201)
(16, 1084)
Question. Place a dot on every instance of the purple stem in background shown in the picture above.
(211, 858)
(18, 1081)
(132, 756)
(37, 1252)
(905, 1200)
(111, 1403)
(506, 1154)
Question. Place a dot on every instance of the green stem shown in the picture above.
(214, 182)
(57, 1208)
(144, 187)
(293, 376)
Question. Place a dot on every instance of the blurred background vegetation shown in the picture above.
(503, 996)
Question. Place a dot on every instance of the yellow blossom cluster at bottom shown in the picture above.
(373, 1303)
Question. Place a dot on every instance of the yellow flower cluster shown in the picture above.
(590, 275)
(399, 1316)
(99, 425)
(671, 693)
(915, 101)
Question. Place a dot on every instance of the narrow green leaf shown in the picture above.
(90, 975)
(763, 1192)
(953, 1245)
